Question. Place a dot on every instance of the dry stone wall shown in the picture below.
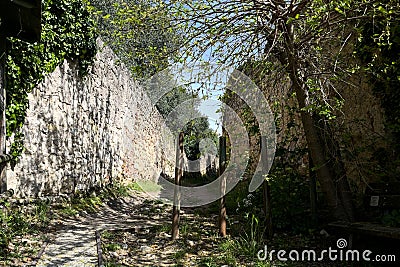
(359, 129)
(91, 131)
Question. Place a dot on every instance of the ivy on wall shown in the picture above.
(68, 32)
(378, 47)
(382, 59)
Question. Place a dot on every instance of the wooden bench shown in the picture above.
(367, 228)
(380, 199)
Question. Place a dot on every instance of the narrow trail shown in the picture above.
(73, 242)
(135, 231)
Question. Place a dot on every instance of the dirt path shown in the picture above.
(139, 230)
(73, 243)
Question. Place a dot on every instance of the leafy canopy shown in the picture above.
(139, 32)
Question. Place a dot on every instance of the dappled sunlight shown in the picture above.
(146, 245)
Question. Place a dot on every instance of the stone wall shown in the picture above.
(358, 130)
(83, 132)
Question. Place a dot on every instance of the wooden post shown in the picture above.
(313, 192)
(177, 196)
(266, 190)
(222, 162)
(3, 182)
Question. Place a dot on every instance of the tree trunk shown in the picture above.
(337, 167)
(266, 190)
(316, 147)
(313, 192)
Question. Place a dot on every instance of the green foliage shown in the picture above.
(239, 199)
(232, 251)
(163, 228)
(379, 49)
(106, 234)
(194, 130)
(225, 255)
(68, 32)
(246, 223)
(252, 239)
(392, 218)
(112, 247)
(90, 202)
(139, 32)
(290, 203)
(208, 262)
(288, 177)
(133, 186)
(18, 221)
(173, 98)
(318, 104)
(290, 198)
(250, 121)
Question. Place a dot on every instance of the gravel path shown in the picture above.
(75, 247)
(73, 242)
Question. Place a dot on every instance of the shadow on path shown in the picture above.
(72, 241)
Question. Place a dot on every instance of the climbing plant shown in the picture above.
(379, 49)
(68, 32)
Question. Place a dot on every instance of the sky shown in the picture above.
(209, 82)
(209, 108)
